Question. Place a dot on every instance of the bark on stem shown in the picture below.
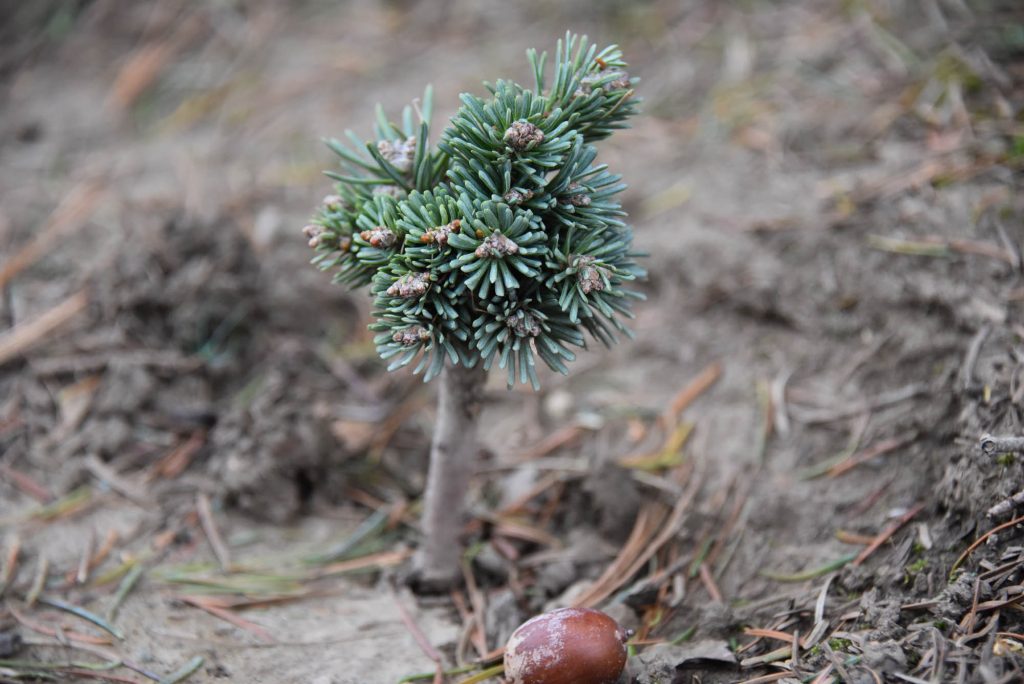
(452, 462)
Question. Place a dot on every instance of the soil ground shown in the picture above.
(199, 447)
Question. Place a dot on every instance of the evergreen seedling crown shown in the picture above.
(503, 243)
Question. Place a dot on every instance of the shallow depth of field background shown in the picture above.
(829, 192)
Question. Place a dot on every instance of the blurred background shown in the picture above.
(829, 191)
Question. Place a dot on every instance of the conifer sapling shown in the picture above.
(501, 245)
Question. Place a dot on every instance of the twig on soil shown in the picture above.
(57, 633)
(178, 459)
(10, 565)
(991, 445)
(73, 211)
(39, 581)
(770, 657)
(1011, 247)
(108, 476)
(145, 64)
(220, 549)
(824, 675)
(883, 400)
(211, 606)
(870, 500)
(28, 334)
(981, 540)
(101, 553)
(81, 575)
(971, 358)
(109, 656)
(26, 484)
(856, 434)
(885, 534)
(871, 453)
(709, 583)
(375, 561)
(836, 661)
(479, 603)
(1006, 505)
(773, 677)
(686, 396)
(780, 419)
(418, 636)
(77, 364)
(638, 550)
(936, 246)
(563, 437)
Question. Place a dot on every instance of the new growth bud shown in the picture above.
(523, 324)
(398, 153)
(496, 245)
(411, 336)
(439, 235)
(590, 278)
(577, 198)
(313, 232)
(523, 135)
(380, 237)
(410, 285)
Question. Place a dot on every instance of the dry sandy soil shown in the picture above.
(199, 447)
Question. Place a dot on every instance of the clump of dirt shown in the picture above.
(273, 448)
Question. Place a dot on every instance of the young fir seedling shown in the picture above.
(501, 245)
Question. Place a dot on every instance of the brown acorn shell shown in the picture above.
(566, 646)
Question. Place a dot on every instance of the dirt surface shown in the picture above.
(198, 444)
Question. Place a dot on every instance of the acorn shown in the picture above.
(566, 646)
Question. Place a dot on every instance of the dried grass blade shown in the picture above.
(123, 589)
(809, 574)
(417, 634)
(26, 484)
(10, 565)
(211, 607)
(84, 614)
(981, 540)
(26, 335)
(696, 387)
(71, 213)
(183, 672)
(484, 675)
(887, 533)
(40, 628)
(220, 549)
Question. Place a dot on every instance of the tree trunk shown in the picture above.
(452, 463)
